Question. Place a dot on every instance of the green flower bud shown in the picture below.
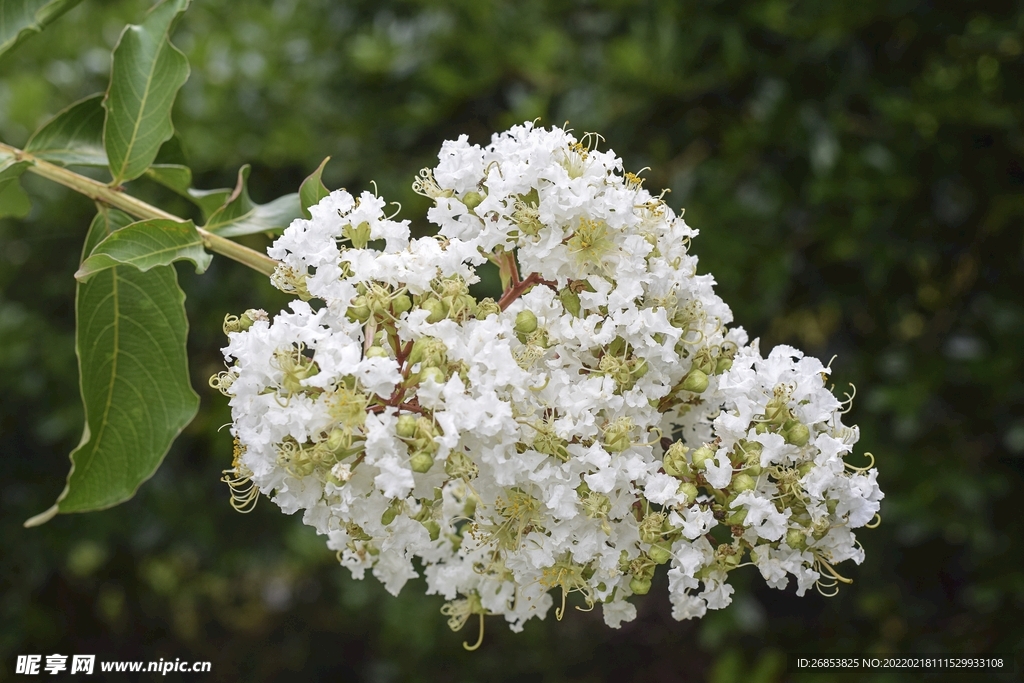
(406, 427)
(570, 302)
(400, 304)
(337, 440)
(660, 552)
(723, 365)
(689, 490)
(640, 586)
(359, 311)
(618, 435)
(701, 456)
(421, 462)
(437, 309)
(804, 467)
(472, 199)
(431, 374)
(376, 352)
(743, 482)
(429, 352)
(640, 368)
(798, 435)
(526, 322)
(761, 428)
(796, 539)
(831, 505)
(695, 381)
(675, 462)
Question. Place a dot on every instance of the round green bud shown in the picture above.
(336, 440)
(723, 365)
(689, 490)
(640, 586)
(761, 428)
(359, 311)
(400, 304)
(798, 435)
(796, 539)
(526, 322)
(640, 368)
(660, 553)
(431, 374)
(804, 467)
(472, 199)
(406, 427)
(696, 381)
(743, 482)
(701, 456)
(376, 352)
(421, 462)
(437, 310)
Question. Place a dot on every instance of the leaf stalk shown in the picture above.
(133, 206)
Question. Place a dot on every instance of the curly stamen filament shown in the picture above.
(865, 468)
(480, 638)
(875, 522)
(835, 575)
(832, 594)
(848, 402)
(560, 612)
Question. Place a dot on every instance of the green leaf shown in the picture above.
(156, 242)
(179, 178)
(241, 216)
(312, 189)
(13, 200)
(74, 137)
(133, 374)
(173, 176)
(21, 19)
(146, 75)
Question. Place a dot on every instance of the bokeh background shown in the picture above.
(856, 170)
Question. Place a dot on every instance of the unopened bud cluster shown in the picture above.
(599, 421)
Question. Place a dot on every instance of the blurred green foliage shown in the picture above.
(856, 169)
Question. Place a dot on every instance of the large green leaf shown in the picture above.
(145, 78)
(241, 216)
(312, 189)
(13, 200)
(146, 244)
(74, 137)
(133, 374)
(21, 19)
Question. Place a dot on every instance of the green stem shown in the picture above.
(116, 198)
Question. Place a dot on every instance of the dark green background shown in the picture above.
(856, 170)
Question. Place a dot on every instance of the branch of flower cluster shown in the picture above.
(519, 289)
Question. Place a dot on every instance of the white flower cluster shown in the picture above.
(597, 421)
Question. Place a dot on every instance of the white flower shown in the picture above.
(515, 450)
